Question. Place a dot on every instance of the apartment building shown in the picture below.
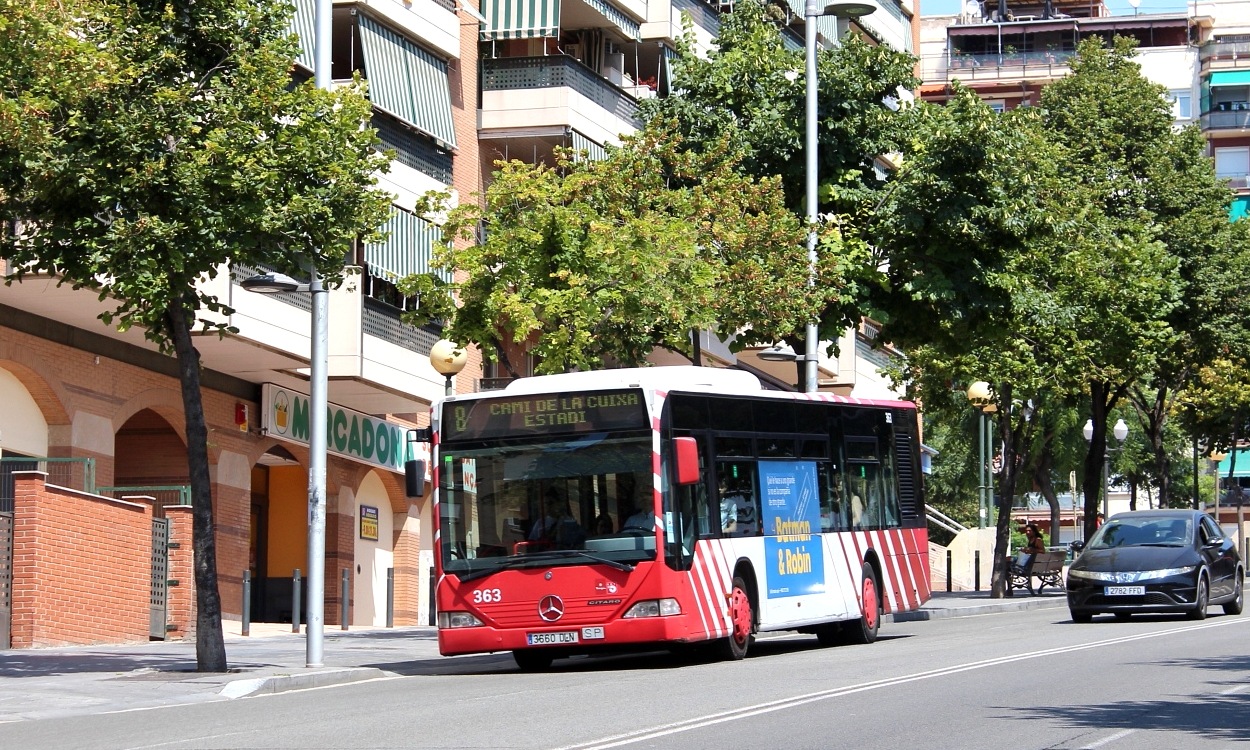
(454, 87)
(1008, 52)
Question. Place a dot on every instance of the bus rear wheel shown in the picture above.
(865, 630)
(741, 622)
(530, 660)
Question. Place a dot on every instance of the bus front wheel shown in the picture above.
(865, 630)
(530, 660)
(741, 622)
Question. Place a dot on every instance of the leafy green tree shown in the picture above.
(597, 263)
(185, 148)
(750, 89)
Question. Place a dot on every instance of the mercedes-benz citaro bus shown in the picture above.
(658, 507)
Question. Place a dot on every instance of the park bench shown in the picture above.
(1047, 567)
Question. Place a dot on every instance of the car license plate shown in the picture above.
(551, 639)
(592, 634)
(1125, 590)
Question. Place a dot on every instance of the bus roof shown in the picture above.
(669, 378)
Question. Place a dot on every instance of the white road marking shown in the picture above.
(1108, 740)
(745, 712)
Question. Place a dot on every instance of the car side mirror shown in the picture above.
(1077, 545)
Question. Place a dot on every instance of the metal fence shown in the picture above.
(162, 495)
(74, 473)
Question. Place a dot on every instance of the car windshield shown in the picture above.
(1143, 531)
(523, 503)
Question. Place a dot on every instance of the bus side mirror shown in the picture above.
(414, 478)
(686, 453)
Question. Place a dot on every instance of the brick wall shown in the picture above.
(81, 566)
(180, 602)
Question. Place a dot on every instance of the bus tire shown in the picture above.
(531, 660)
(864, 630)
(741, 622)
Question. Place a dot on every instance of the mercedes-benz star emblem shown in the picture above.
(550, 608)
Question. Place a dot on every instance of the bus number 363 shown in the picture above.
(486, 596)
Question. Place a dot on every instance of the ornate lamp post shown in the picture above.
(1121, 434)
(448, 359)
(981, 396)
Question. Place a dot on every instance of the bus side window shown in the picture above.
(832, 509)
(739, 500)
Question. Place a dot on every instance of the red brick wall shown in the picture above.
(81, 566)
(181, 598)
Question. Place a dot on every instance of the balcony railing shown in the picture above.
(1235, 120)
(556, 71)
(383, 321)
(1223, 51)
(968, 66)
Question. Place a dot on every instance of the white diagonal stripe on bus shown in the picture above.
(703, 593)
(898, 583)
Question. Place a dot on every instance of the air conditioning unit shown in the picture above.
(573, 50)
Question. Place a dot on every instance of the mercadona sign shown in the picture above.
(350, 434)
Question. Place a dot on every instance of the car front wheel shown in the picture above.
(1201, 599)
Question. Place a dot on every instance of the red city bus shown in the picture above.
(670, 505)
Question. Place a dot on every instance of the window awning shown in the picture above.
(1242, 467)
(1230, 78)
(1239, 208)
(520, 19)
(407, 81)
(618, 18)
(594, 151)
(407, 250)
(303, 25)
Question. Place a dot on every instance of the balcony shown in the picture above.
(1232, 119)
(968, 67)
(1218, 55)
(550, 95)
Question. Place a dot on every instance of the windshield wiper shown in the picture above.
(538, 557)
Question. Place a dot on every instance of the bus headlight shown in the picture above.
(654, 608)
(448, 620)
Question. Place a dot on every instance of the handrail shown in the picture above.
(940, 519)
(183, 490)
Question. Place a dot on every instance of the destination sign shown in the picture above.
(547, 413)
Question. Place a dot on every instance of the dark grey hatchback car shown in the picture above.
(1150, 561)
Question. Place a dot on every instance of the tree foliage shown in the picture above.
(600, 262)
(179, 145)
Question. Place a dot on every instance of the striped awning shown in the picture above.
(407, 81)
(303, 25)
(618, 18)
(520, 19)
(594, 151)
(408, 248)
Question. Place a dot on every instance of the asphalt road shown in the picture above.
(1023, 680)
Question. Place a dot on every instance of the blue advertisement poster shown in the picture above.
(791, 513)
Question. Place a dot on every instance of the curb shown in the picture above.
(977, 609)
(302, 681)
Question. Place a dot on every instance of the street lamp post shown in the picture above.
(448, 360)
(276, 283)
(812, 10)
(1121, 434)
(980, 396)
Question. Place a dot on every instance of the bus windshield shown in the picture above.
(516, 503)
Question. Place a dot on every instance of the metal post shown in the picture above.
(812, 343)
(949, 568)
(317, 397)
(1197, 498)
(247, 603)
(982, 511)
(343, 596)
(976, 570)
(450, 388)
(390, 597)
(295, 602)
(1106, 486)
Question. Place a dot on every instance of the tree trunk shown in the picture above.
(210, 647)
(1006, 493)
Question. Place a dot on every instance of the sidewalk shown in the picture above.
(45, 683)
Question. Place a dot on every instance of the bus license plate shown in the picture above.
(551, 639)
(1124, 590)
(592, 634)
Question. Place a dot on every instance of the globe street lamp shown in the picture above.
(1121, 434)
(277, 283)
(812, 10)
(981, 396)
(448, 359)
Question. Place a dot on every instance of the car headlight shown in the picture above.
(448, 620)
(1129, 576)
(654, 608)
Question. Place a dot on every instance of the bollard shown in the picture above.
(948, 571)
(295, 602)
(247, 603)
(390, 597)
(343, 597)
(976, 570)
